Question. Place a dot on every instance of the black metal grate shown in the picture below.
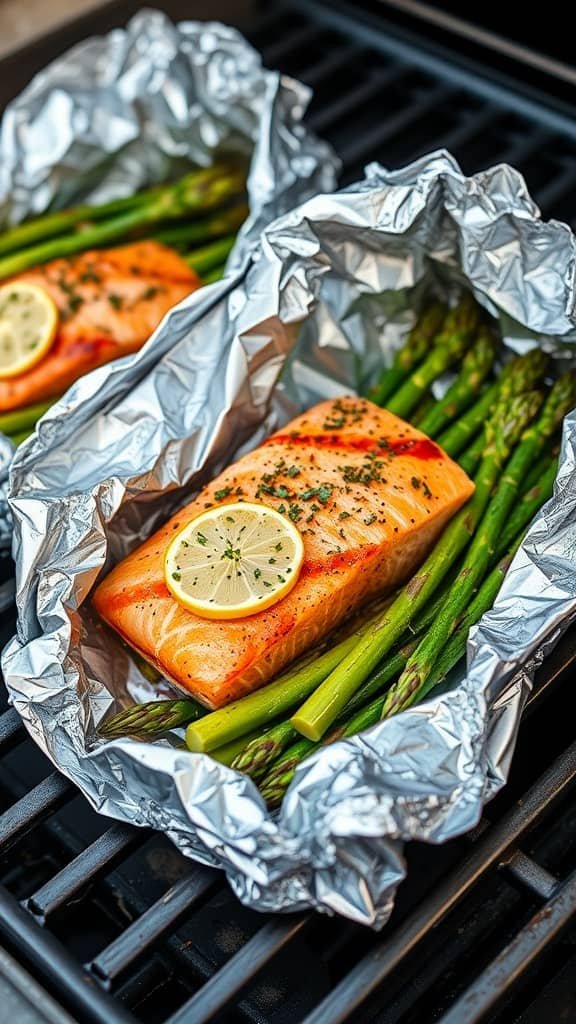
(113, 921)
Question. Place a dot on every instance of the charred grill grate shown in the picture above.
(112, 920)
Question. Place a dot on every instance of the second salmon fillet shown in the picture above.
(369, 494)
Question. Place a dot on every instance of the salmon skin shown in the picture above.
(110, 302)
(369, 494)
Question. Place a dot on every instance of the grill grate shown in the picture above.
(112, 920)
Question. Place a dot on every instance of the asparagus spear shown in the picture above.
(225, 222)
(151, 720)
(560, 401)
(214, 275)
(470, 459)
(476, 366)
(398, 700)
(23, 419)
(519, 375)
(422, 409)
(532, 500)
(59, 222)
(255, 756)
(279, 778)
(413, 351)
(209, 256)
(197, 193)
(454, 339)
(325, 704)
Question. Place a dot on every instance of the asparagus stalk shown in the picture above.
(58, 223)
(18, 439)
(209, 256)
(413, 351)
(214, 275)
(255, 756)
(532, 500)
(398, 700)
(151, 720)
(470, 459)
(476, 366)
(225, 222)
(519, 375)
(228, 751)
(197, 193)
(274, 786)
(451, 343)
(422, 409)
(24, 419)
(325, 704)
(559, 402)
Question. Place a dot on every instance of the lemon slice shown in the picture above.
(28, 324)
(233, 561)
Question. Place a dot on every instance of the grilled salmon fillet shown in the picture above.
(369, 494)
(110, 301)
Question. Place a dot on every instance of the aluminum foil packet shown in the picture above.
(329, 293)
(140, 106)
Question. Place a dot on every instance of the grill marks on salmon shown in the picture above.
(370, 495)
(110, 302)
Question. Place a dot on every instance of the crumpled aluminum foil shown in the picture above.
(139, 106)
(332, 286)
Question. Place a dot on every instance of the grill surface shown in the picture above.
(112, 921)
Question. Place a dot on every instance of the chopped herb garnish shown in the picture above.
(116, 301)
(202, 539)
(294, 512)
(224, 492)
(177, 576)
(257, 574)
(323, 493)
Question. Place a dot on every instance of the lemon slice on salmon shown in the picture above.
(28, 325)
(233, 561)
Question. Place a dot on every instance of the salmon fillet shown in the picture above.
(110, 302)
(369, 494)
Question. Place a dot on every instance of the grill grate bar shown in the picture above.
(46, 954)
(466, 130)
(11, 730)
(100, 856)
(166, 913)
(489, 850)
(523, 868)
(562, 183)
(273, 53)
(532, 875)
(239, 971)
(44, 799)
(516, 958)
(332, 62)
(349, 103)
(388, 127)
